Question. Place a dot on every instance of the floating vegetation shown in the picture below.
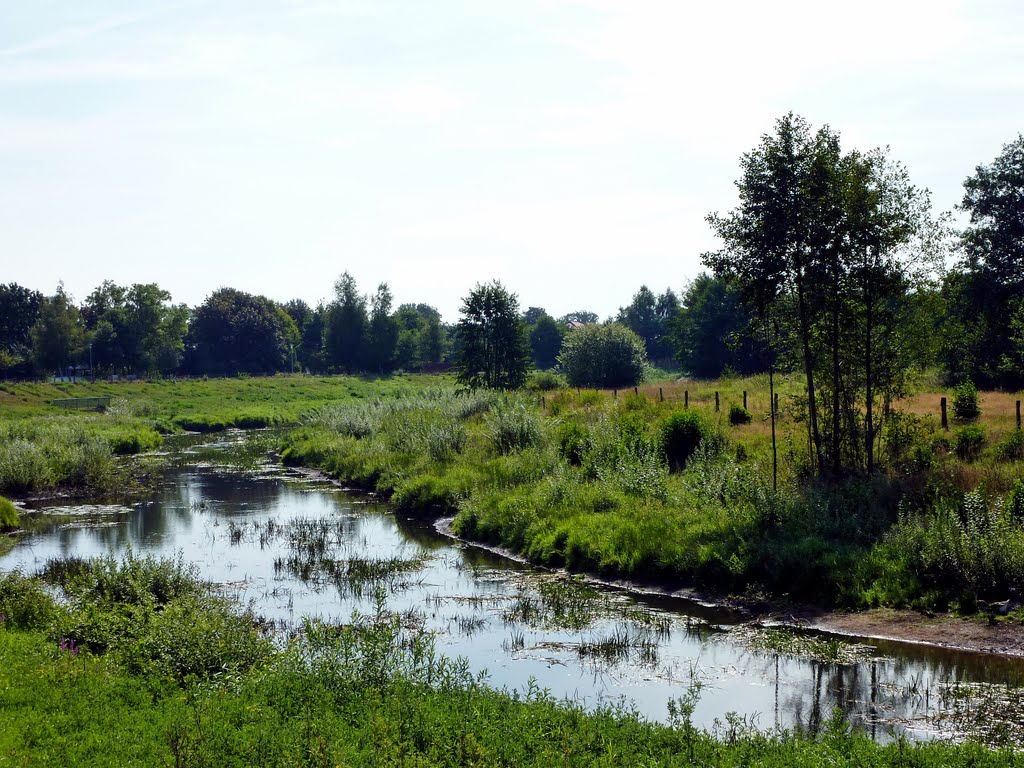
(787, 642)
(990, 713)
(569, 603)
(625, 643)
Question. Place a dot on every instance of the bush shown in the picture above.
(573, 441)
(965, 402)
(545, 381)
(969, 442)
(739, 415)
(681, 435)
(8, 515)
(1012, 448)
(603, 356)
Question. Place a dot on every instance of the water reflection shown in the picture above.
(591, 645)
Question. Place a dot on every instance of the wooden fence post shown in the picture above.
(636, 390)
(661, 399)
(1018, 414)
(716, 401)
(615, 394)
(744, 399)
(945, 421)
(686, 398)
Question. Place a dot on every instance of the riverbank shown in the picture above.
(193, 680)
(639, 490)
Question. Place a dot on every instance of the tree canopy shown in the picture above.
(494, 352)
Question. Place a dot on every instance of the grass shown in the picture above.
(367, 692)
(46, 449)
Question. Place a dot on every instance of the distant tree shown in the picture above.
(533, 314)
(135, 328)
(490, 331)
(582, 317)
(545, 341)
(648, 316)
(58, 337)
(346, 327)
(710, 331)
(312, 331)
(299, 311)
(19, 311)
(383, 332)
(235, 332)
(609, 355)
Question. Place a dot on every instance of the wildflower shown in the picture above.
(69, 646)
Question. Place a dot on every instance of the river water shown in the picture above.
(265, 534)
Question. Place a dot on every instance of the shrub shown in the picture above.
(603, 356)
(969, 442)
(1015, 501)
(573, 441)
(545, 381)
(965, 402)
(739, 415)
(681, 434)
(8, 515)
(1012, 448)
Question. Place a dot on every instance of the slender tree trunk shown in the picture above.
(836, 415)
(771, 404)
(869, 426)
(812, 405)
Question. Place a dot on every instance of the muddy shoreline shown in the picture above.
(887, 624)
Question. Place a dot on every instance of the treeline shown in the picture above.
(833, 265)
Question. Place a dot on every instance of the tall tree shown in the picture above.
(346, 326)
(19, 310)
(235, 332)
(545, 341)
(58, 337)
(383, 332)
(710, 332)
(989, 283)
(490, 332)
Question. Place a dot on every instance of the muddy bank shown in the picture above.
(941, 631)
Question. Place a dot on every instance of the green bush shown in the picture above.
(8, 515)
(545, 381)
(969, 442)
(965, 402)
(739, 415)
(573, 441)
(681, 435)
(1012, 448)
(603, 356)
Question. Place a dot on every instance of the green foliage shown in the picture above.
(545, 341)
(1012, 448)
(969, 442)
(545, 381)
(965, 402)
(573, 441)
(708, 333)
(490, 331)
(513, 425)
(681, 435)
(603, 356)
(739, 415)
(58, 337)
(8, 515)
(235, 332)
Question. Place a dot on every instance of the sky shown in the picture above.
(568, 148)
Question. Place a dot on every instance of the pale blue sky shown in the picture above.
(570, 148)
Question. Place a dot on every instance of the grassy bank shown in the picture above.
(45, 448)
(637, 486)
(140, 664)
